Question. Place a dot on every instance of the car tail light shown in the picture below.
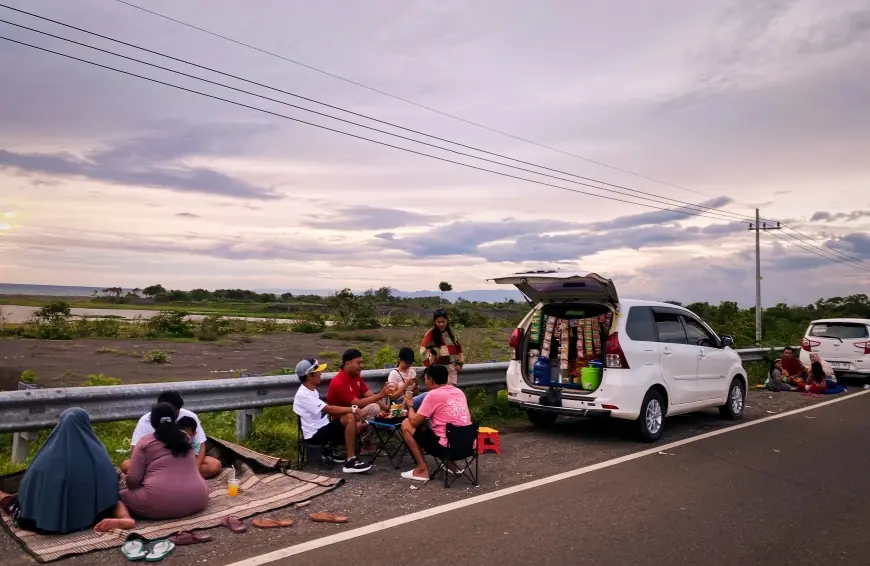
(515, 340)
(614, 357)
(865, 345)
(808, 345)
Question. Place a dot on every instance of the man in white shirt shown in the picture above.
(208, 466)
(317, 428)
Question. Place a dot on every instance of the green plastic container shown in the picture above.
(590, 378)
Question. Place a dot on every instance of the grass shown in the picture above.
(115, 352)
(158, 357)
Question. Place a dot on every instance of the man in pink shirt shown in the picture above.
(444, 404)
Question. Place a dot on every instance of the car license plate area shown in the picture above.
(840, 365)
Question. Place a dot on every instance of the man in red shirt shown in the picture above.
(792, 364)
(347, 388)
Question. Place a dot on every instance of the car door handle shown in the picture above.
(666, 351)
(702, 355)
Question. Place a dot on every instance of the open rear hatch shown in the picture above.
(562, 287)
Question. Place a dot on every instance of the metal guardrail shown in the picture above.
(35, 409)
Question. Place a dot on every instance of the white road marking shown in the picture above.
(404, 519)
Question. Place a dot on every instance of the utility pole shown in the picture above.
(759, 227)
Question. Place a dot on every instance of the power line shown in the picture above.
(814, 252)
(827, 246)
(655, 198)
(417, 104)
(264, 111)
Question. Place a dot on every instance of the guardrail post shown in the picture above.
(21, 440)
(245, 418)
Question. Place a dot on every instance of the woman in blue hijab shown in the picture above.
(71, 485)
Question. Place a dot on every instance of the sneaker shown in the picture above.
(354, 466)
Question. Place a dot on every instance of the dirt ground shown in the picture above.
(65, 363)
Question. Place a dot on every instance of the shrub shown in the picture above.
(275, 432)
(99, 379)
(213, 327)
(158, 357)
(54, 311)
(308, 323)
(173, 324)
(384, 356)
(27, 376)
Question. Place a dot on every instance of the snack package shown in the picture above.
(587, 337)
(549, 325)
(596, 336)
(564, 345)
(536, 327)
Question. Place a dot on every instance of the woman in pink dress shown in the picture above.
(164, 481)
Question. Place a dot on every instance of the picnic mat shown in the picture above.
(265, 483)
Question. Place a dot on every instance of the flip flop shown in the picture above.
(134, 550)
(234, 524)
(324, 517)
(271, 523)
(185, 538)
(159, 550)
(409, 475)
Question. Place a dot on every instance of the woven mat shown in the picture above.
(265, 485)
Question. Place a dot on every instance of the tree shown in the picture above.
(444, 287)
(152, 290)
(54, 312)
(199, 295)
(286, 297)
(114, 291)
(384, 294)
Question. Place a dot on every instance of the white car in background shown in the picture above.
(842, 342)
(658, 360)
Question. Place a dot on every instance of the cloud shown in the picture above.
(824, 216)
(660, 216)
(150, 161)
(374, 218)
(187, 215)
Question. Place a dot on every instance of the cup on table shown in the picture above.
(233, 487)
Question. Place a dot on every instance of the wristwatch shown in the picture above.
(353, 409)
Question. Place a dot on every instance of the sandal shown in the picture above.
(271, 523)
(324, 517)
(159, 550)
(234, 524)
(134, 550)
(185, 538)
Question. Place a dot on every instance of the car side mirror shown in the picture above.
(727, 341)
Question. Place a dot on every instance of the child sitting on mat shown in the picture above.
(188, 425)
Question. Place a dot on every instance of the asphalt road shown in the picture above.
(788, 491)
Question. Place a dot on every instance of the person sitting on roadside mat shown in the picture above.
(314, 415)
(795, 371)
(777, 380)
(444, 404)
(208, 466)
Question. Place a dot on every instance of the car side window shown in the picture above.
(670, 328)
(640, 325)
(697, 334)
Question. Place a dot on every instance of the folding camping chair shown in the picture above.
(327, 450)
(461, 447)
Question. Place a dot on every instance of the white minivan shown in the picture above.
(842, 342)
(658, 359)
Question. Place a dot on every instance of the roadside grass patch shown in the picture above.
(158, 357)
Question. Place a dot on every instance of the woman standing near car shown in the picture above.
(440, 347)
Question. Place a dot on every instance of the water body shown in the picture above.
(18, 313)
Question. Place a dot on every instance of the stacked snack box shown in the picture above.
(587, 338)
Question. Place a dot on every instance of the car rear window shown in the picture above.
(842, 330)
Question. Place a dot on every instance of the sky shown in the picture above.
(107, 179)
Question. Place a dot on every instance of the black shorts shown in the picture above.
(333, 433)
(430, 443)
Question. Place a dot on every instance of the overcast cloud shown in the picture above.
(109, 180)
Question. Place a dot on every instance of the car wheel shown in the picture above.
(651, 421)
(542, 419)
(734, 405)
